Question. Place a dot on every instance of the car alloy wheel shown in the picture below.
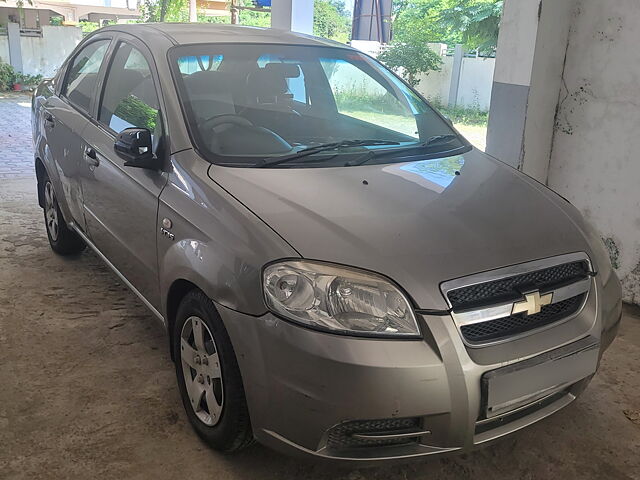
(51, 211)
(201, 370)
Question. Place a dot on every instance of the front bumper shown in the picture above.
(301, 385)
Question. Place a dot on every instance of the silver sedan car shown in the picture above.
(340, 273)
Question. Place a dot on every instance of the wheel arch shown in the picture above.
(41, 172)
(177, 291)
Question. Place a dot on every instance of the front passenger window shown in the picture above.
(130, 98)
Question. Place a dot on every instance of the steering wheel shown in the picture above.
(227, 118)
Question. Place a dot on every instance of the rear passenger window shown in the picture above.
(83, 74)
(130, 98)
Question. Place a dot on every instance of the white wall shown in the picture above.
(435, 85)
(476, 80)
(595, 161)
(43, 55)
(4, 48)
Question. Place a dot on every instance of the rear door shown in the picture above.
(121, 203)
(66, 115)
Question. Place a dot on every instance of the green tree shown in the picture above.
(411, 58)
(331, 20)
(164, 10)
(476, 21)
(418, 20)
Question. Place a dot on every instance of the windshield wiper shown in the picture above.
(441, 139)
(431, 141)
(323, 148)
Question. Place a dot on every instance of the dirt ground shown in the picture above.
(87, 388)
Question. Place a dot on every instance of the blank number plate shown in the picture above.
(520, 384)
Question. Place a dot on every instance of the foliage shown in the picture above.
(331, 20)
(411, 58)
(361, 99)
(88, 27)
(26, 79)
(9, 77)
(6, 76)
(474, 23)
(473, 116)
(477, 21)
(418, 21)
(415, 25)
(164, 10)
(136, 112)
(249, 18)
(56, 20)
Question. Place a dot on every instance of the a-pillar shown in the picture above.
(527, 80)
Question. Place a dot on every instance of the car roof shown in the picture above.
(190, 33)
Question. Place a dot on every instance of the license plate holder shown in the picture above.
(515, 386)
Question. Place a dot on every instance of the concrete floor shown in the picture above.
(87, 388)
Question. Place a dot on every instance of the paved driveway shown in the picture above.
(16, 147)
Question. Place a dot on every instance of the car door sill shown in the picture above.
(119, 274)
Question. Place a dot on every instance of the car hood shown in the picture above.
(419, 223)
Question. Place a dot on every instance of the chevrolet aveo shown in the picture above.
(341, 274)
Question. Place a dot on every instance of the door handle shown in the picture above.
(91, 157)
(48, 118)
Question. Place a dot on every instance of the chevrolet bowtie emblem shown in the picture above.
(532, 303)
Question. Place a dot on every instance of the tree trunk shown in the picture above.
(163, 9)
(234, 13)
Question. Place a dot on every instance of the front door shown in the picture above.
(121, 203)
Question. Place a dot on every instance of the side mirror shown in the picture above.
(135, 146)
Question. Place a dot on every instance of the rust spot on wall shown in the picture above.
(614, 252)
(571, 102)
(610, 31)
(631, 286)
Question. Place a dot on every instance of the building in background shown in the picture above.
(48, 12)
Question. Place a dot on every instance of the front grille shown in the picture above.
(515, 324)
(510, 289)
(341, 436)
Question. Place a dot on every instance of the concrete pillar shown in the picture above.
(458, 56)
(15, 49)
(526, 84)
(193, 12)
(293, 15)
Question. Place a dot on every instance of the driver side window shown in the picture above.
(130, 98)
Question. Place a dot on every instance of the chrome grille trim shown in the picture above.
(502, 310)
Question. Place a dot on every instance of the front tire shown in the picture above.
(62, 239)
(208, 375)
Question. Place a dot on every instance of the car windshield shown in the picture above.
(251, 104)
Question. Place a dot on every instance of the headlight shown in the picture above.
(601, 254)
(338, 299)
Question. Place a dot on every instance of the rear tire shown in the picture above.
(62, 239)
(208, 375)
